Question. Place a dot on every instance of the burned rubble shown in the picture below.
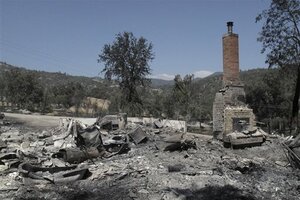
(140, 161)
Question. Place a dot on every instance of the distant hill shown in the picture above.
(55, 78)
(160, 82)
(215, 74)
(58, 78)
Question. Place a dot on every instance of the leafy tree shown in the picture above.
(2, 89)
(127, 60)
(68, 94)
(45, 104)
(23, 89)
(182, 93)
(182, 88)
(153, 102)
(168, 104)
(266, 94)
(280, 37)
(115, 100)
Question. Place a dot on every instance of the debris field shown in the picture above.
(107, 160)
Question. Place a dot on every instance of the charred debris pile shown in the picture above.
(118, 158)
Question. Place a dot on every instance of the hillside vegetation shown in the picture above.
(268, 92)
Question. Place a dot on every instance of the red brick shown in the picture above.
(231, 59)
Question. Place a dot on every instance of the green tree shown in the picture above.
(266, 94)
(127, 60)
(153, 102)
(182, 93)
(68, 94)
(45, 104)
(280, 37)
(23, 89)
(2, 89)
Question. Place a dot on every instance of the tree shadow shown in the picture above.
(227, 192)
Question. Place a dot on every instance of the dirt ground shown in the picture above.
(208, 172)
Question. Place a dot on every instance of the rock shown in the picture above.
(41, 143)
(143, 191)
(206, 172)
(44, 134)
(3, 168)
(25, 145)
(47, 163)
(2, 144)
(58, 163)
(132, 194)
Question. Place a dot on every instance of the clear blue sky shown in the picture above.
(68, 35)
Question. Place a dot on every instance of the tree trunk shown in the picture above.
(295, 110)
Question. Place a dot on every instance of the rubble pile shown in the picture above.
(292, 145)
(110, 160)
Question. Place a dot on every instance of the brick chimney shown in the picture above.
(230, 57)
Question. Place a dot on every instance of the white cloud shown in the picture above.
(163, 76)
(202, 73)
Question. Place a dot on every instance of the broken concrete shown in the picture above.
(245, 138)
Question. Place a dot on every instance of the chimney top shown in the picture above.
(229, 27)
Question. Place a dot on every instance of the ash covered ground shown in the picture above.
(205, 170)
